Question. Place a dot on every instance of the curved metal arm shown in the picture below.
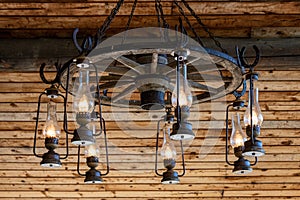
(75, 41)
(67, 138)
(106, 148)
(255, 162)
(99, 100)
(237, 51)
(36, 125)
(182, 158)
(78, 162)
(226, 139)
(156, 147)
(65, 125)
(242, 93)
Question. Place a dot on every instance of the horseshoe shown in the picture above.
(57, 77)
(87, 44)
(243, 62)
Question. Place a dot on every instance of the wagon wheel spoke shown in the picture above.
(202, 87)
(132, 65)
(153, 67)
(114, 84)
(120, 71)
(125, 92)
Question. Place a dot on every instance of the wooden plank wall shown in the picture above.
(49, 18)
(276, 176)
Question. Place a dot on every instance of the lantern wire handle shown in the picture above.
(182, 158)
(66, 101)
(156, 147)
(36, 126)
(106, 155)
(226, 139)
(106, 148)
(156, 152)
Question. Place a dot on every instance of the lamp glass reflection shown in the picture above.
(92, 150)
(257, 117)
(168, 150)
(238, 137)
(185, 94)
(51, 128)
(83, 101)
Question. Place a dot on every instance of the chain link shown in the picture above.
(188, 22)
(160, 16)
(101, 31)
(211, 35)
(161, 13)
(129, 20)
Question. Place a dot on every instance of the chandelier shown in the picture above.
(166, 76)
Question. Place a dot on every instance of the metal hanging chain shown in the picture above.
(161, 13)
(101, 31)
(189, 23)
(160, 16)
(211, 35)
(129, 20)
(157, 13)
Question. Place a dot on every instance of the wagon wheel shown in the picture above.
(129, 74)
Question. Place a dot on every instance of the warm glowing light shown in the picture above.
(237, 140)
(168, 150)
(92, 150)
(83, 99)
(238, 137)
(51, 128)
(50, 131)
(185, 97)
(83, 105)
(257, 117)
(185, 94)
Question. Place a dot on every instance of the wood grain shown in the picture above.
(271, 25)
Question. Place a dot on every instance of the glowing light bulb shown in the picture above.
(83, 100)
(185, 95)
(238, 137)
(83, 105)
(92, 150)
(51, 128)
(257, 117)
(168, 150)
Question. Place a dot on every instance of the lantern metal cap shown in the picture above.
(83, 136)
(182, 131)
(152, 100)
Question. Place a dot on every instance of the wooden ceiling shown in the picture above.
(249, 18)
(33, 32)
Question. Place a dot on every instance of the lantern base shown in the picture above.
(93, 176)
(51, 159)
(170, 177)
(242, 166)
(182, 131)
(83, 136)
